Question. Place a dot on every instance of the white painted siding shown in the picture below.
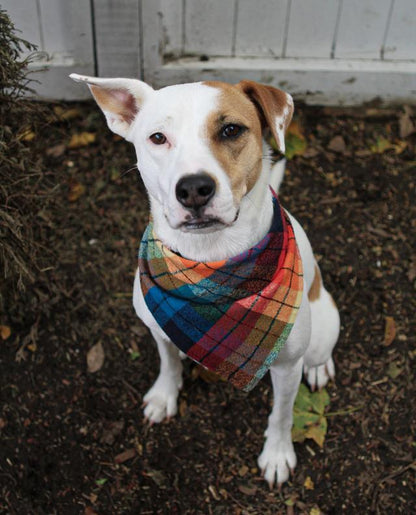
(311, 28)
(269, 20)
(323, 51)
(361, 29)
(401, 36)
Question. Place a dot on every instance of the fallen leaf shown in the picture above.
(394, 371)
(319, 401)
(243, 470)
(382, 145)
(315, 511)
(214, 492)
(111, 431)
(26, 135)
(101, 482)
(128, 454)
(95, 358)
(56, 150)
(295, 141)
(248, 490)
(5, 332)
(158, 477)
(406, 125)
(295, 129)
(309, 420)
(389, 331)
(337, 144)
(67, 114)
(308, 484)
(89, 511)
(317, 432)
(76, 189)
(82, 139)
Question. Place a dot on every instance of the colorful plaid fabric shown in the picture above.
(231, 316)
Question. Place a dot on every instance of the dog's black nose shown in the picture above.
(194, 191)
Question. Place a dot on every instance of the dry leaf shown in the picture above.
(95, 358)
(406, 125)
(337, 144)
(56, 151)
(389, 331)
(295, 129)
(308, 484)
(243, 470)
(82, 139)
(247, 490)
(394, 371)
(67, 114)
(26, 135)
(214, 492)
(5, 332)
(128, 454)
(75, 191)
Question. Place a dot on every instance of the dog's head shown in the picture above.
(199, 146)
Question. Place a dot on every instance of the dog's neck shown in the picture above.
(253, 222)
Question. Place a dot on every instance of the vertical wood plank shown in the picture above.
(401, 37)
(151, 28)
(209, 27)
(311, 28)
(24, 14)
(261, 28)
(361, 29)
(67, 30)
(117, 34)
(172, 27)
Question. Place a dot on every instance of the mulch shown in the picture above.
(74, 441)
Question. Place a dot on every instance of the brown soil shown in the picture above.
(73, 441)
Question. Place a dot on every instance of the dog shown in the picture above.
(206, 166)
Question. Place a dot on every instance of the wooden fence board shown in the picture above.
(361, 29)
(260, 28)
(311, 28)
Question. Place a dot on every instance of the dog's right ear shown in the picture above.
(119, 99)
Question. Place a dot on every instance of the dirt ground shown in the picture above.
(74, 441)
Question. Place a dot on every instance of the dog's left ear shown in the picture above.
(275, 106)
(119, 99)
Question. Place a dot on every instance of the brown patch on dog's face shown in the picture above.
(315, 289)
(235, 136)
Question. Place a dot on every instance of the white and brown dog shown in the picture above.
(211, 134)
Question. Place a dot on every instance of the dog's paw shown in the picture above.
(318, 377)
(277, 461)
(161, 401)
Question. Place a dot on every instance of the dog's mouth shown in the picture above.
(205, 224)
(202, 225)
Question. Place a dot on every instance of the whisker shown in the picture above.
(128, 171)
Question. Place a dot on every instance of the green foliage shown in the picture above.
(309, 419)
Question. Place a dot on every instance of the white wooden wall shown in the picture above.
(322, 51)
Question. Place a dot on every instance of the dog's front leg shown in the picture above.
(161, 401)
(278, 457)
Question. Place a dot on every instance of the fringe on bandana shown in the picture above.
(232, 316)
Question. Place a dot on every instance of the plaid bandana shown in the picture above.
(231, 316)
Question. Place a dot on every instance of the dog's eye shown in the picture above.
(158, 138)
(231, 131)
